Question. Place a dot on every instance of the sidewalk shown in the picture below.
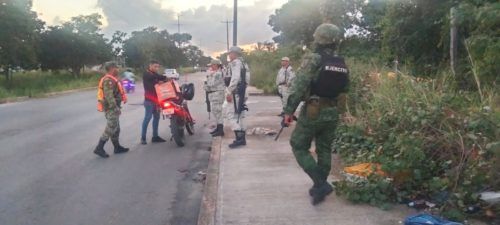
(263, 184)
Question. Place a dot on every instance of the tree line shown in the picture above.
(26, 42)
(415, 33)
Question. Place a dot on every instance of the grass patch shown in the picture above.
(36, 83)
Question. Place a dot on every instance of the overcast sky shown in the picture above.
(200, 18)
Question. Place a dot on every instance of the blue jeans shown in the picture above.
(150, 111)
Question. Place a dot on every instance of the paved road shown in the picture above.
(49, 175)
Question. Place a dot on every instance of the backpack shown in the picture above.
(333, 77)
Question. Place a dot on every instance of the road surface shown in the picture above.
(49, 175)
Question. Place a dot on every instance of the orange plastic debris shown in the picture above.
(365, 169)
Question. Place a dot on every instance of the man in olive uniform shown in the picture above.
(321, 83)
(284, 80)
(113, 98)
(214, 86)
(236, 67)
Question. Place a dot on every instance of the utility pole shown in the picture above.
(227, 22)
(235, 23)
(453, 40)
(178, 24)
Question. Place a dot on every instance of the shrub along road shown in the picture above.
(49, 174)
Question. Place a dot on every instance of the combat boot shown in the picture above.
(321, 192)
(118, 148)
(219, 131)
(99, 149)
(240, 139)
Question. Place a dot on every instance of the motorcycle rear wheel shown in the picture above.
(177, 129)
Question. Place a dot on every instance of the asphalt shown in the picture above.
(49, 175)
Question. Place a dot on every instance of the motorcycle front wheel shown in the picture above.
(177, 129)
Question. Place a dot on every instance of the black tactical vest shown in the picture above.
(333, 77)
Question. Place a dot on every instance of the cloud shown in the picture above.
(203, 23)
(134, 15)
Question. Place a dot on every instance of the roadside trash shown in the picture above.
(200, 176)
(490, 197)
(473, 209)
(262, 131)
(365, 169)
(426, 219)
(417, 204)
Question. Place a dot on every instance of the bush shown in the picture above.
(35, 83)
(434, 142)
(264, 66)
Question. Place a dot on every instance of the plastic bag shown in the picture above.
(426, 219)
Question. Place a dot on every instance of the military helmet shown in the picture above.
(236, 50)
(327, 33)
(215, 62)
(109, 65)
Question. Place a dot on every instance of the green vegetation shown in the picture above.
(434, 142)
(33, 84)
(27, 43)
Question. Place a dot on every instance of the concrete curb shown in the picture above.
(46, 95)
(209, 200)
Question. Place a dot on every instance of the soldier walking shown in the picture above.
(236, 96)
(214, 86)
(110, 95)
(321, 82)
(284, 80)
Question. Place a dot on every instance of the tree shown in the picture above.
(182, 39)
(150, 43)
(195, 56)
(19, 36)
(75, 44)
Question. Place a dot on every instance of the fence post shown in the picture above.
(453, 39)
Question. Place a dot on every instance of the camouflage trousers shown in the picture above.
(236, 121)
(216, 101)
(112, 130)
(284, 92)
(322, 131)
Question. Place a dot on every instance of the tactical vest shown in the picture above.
(333, 77)
(100, 91)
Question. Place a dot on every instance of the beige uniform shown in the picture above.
(284, 81)
(236, 121)
(215, 87)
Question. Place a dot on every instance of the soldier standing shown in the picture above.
(240, 77)
(110, 95)
(214, 86)
(284, 81)
(321, 82)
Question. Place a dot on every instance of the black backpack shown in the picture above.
(333, 77)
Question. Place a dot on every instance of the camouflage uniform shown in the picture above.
(317, 121)
(284, 81)
(215, 86)
(237, 122)
(112, 105)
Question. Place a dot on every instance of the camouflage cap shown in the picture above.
(327, 33)
(236, 50)
(215, 62)
(109, 65)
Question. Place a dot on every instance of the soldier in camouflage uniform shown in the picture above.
(113, 98)
(319, 115)
(215, 88)
(237, 121)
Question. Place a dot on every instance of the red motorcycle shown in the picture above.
(176, 109)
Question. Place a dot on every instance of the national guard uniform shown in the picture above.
(321, 82)
(110, 96)
(237, 121)
(214, 86)
(284, 81)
